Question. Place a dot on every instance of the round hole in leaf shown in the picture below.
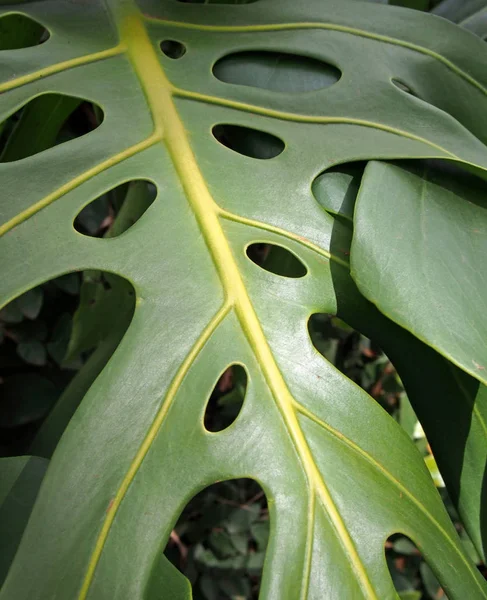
(115, 211)
(248, 142)
(276, 71)
(226, 399)
(173, 49)
(276, 259)
(19, 31)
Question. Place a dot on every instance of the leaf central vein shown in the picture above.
(159, 96)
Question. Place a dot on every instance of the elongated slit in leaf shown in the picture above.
(403, 86)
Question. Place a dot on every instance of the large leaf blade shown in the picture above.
(139, 452)
(444, 221)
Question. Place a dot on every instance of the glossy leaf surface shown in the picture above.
(340, 475)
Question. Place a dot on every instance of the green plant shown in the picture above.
(276, 199)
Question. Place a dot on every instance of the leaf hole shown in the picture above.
(173, 49)
(220, 540)
(44, 122)
(403, 87)
(55, 340)
(276, 71)
(412, 577)
(276, 259)
(19, 31)
(359, 358)
(115, 211)
(362, 361)
(226, 399)
(248, 142)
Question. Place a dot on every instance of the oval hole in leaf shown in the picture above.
(276, 71)
(226, 399)
(44, 122)
(19, 31)
(117, 210)
(220, 541)
(249, 142)
(276, 259)
(173, 49)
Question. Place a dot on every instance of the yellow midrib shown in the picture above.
(169, 128)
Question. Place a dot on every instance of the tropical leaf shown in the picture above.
(21, 478)
(459, 10)
(234, 165)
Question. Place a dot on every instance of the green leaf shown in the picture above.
(407, 416)
(260, 532)
(30, 303)
(58, 344)
(443, 231)
(209, 587)
(458, 10)
(68, 283)
(405, 546)
(436, 252)
(430, 582)
(240, 520)
(33, 352)
(11, 313)
(221, 544)
(21, 478)
(339, 473)
(410, 595)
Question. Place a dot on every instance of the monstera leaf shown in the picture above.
(241, 116)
